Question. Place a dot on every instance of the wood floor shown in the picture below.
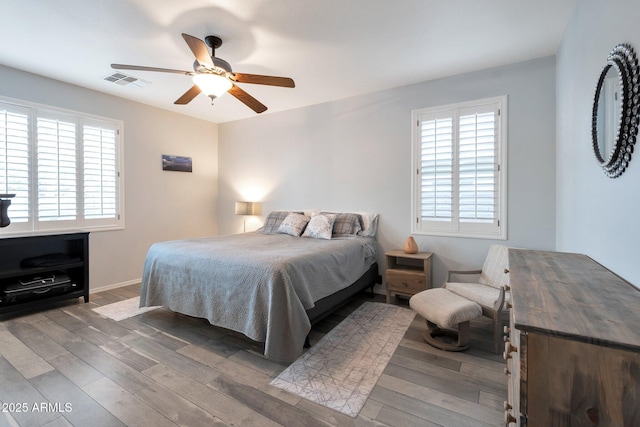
(70, 366)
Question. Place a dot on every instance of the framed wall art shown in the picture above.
(177, 163)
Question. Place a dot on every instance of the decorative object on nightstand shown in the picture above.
(244, 209)
(4, 205)
(407, 274)
(410, 246)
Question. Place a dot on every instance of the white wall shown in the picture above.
(355, 154)
(159, 205)
(596, 215)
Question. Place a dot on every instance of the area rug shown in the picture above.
(340, 371)
(123, 309)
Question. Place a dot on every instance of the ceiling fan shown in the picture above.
(213, 76)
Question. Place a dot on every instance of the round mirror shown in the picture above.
(609, 112)
(615, 111)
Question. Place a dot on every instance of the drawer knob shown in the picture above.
(510, 348)
(506, 271)
(507, 288)
(508, 418)
(507, 305)
(506, 371)
(507, 406)
(506, 330)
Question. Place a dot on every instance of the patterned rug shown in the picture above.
(340, 371)
(123, 309)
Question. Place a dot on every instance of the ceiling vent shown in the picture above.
(125, 80)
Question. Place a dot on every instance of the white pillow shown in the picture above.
(293, 224)
(320, 226)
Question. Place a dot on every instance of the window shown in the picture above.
(64, 168)
(459, 174)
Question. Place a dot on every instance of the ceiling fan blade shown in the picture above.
(188, 95)
(263, 80)
(247, 99)
(140, 68)
(199, 49)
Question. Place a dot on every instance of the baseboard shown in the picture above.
(114, 286)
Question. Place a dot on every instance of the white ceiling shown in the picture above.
(333, 49)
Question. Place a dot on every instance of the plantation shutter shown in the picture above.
(478, 166)
(63, 167)
(458, 156)
(100, 171)
(14, 159)
(56, 163)
(436, 168)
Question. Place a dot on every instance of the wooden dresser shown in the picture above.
(573, 344)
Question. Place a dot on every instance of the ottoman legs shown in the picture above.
(444, 338)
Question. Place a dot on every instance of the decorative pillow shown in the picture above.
(369, 224)
(320, 226)
(293, 224)
(347, 224)
(273, 221)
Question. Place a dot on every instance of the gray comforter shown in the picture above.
(256, 284)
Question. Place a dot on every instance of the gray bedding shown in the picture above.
(256, 284)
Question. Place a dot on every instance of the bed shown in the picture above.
(270, 285)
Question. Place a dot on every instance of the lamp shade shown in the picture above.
(212, 85)
(245, 208)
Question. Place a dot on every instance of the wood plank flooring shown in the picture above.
(69, 366)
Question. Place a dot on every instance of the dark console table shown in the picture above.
(31, 268)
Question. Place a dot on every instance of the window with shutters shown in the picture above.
(459, 169)
(62, 166)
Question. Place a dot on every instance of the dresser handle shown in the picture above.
(506, 330)
(509, 348)
(506, 371)
(507, 305)
(508, 418)
(507, 406)
(507, 288)
(506, 271)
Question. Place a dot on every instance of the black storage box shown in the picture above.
(30, 288)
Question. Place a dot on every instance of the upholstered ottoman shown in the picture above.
(445, 311)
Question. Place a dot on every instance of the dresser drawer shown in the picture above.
(405, 281)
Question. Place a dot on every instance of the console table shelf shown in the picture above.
(69, 254)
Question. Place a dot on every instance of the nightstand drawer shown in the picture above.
(405, 281)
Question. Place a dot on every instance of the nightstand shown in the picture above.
(407, 274)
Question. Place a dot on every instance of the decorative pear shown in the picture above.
(410, 246)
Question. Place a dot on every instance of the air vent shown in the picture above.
(125, 80)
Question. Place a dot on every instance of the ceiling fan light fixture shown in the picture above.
(212, 76)
(212, 85)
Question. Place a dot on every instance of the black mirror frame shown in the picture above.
(624, 60)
